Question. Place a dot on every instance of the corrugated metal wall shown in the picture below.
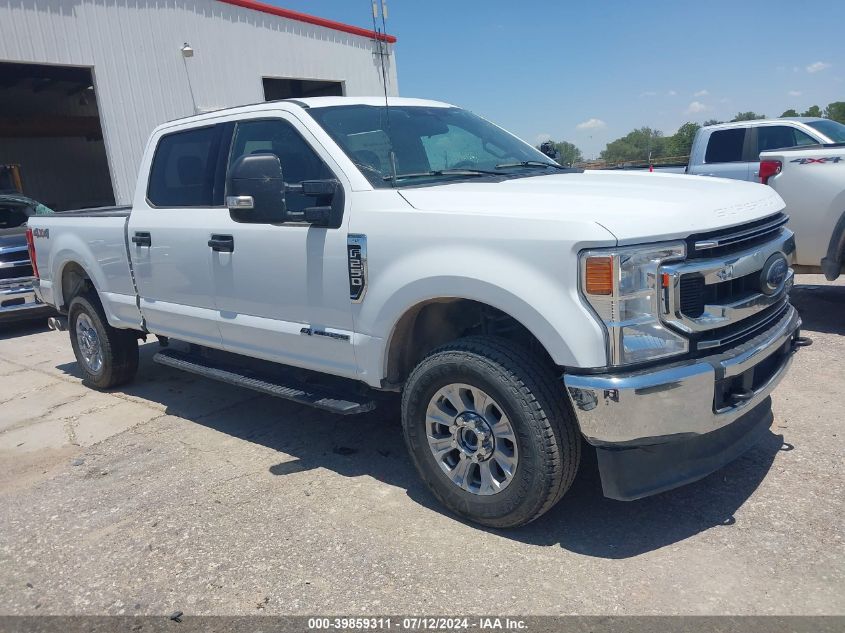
(134, 47)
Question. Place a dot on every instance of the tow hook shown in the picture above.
(58, 324)
(801, 341)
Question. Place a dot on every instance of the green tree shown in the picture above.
(835, 111)
(569, 153)
(680, 143)
(790, 112)
(711, 122)
(813, 111)
(636, 145)
(748, 116)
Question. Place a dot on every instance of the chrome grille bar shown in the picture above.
(732, 239)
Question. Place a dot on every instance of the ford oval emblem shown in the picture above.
(773, 274)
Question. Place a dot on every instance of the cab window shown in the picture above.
(299, 161)
(183, 169)
(725, 146)
(781, 136)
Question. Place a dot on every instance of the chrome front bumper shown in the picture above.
(679, 401)
(18, 300)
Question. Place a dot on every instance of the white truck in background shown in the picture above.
(328, 249)
(811, 180)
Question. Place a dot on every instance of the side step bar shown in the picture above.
(303, 394)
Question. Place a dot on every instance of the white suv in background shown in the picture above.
(732, 150)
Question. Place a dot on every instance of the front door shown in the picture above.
(282, 293)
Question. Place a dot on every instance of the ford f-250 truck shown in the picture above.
(518, 306)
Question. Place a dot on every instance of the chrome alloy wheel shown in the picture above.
(89, 344)
(471, 439)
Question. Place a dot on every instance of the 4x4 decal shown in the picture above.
(810, 161)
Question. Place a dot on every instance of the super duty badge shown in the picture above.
(356, 253)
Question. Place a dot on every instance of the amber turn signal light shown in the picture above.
(599, 276)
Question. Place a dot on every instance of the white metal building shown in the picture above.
(84, 82)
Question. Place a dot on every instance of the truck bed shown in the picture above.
(99, 246)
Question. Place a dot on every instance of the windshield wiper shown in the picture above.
(530, 163)
(445, 172)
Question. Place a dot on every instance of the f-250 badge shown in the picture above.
(356, 253)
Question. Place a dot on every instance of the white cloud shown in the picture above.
(591, 124)
(542, 137)
(671, 93)
(696, 107)
(794, 93)
(701, 93)
(648, 93)
(817, 67)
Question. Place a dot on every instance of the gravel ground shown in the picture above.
(178, 493)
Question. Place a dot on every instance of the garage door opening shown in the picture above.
(50, 130)
(276, 88)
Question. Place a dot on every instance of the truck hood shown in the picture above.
(635, 207)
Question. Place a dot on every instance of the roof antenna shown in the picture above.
(382, 52)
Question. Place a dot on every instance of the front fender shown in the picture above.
(544, 299)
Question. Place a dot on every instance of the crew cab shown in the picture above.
(326, 250)
(732, 150)
(811, 180)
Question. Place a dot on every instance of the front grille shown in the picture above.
(13, 254)
(16, 271)
(734, 239)
(695, 294)
(722, 338)
(692, 295)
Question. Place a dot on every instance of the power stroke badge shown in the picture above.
(356, 254)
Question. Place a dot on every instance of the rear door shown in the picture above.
(283, 292)
(727, 154)
(169, 230)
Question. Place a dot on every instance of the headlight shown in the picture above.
(622, 286)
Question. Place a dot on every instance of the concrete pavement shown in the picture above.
(179, 493)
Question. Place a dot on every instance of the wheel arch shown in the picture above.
(432, 322)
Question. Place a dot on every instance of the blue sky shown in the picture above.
(589, 72)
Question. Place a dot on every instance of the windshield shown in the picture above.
(833, 130)
(429, 144)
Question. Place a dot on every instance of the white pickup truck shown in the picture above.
(811, 180)
(326, 249)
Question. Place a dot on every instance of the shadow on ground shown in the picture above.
(822, 308)
(14, 329)
(372, 445)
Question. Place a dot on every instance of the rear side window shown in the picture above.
(183, 169)
(780, 136)
(725, 146)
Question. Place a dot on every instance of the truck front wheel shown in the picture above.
(489, 431)
(107, 356)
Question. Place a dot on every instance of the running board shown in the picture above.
(303, 394)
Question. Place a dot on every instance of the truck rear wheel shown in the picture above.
(107, 356)
(489, 431)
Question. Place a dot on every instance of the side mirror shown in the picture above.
(255, 190)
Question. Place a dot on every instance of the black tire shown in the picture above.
(119, 347)
(531, 395)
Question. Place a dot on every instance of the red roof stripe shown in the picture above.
(310, 19)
